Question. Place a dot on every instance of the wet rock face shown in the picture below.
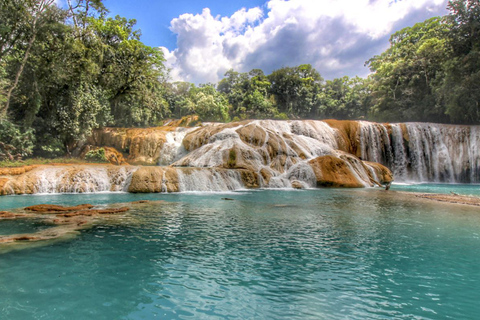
(413, 151)
(385, 176)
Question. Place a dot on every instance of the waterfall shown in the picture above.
(280, 147)
(272, 154)
(300, 173)
(173, 149)
(82, 179)
(424, 152)
(209, 180)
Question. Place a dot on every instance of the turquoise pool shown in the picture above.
(311, 254)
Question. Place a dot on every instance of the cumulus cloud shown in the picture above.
(336, 37)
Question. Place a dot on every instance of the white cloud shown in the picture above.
(335, 36)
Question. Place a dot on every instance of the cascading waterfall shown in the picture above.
(83, 180)
(296, 143)
(173, 149)
(275, 154)
(424, 152)
(212, 180)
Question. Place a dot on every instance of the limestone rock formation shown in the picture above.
(220, 157)
(154, 179)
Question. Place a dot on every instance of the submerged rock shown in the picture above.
(64, 222)
(56, 208)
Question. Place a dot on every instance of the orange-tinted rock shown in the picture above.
(25, 238)
(9, 215)
(15, 171)
(142, 145)
(199, 137)
(3, 182)
(55, 208)
(112, 210)
(154, 179)
(266, 175)
(331, 171)
(92, 212)
(249, 179)
(252, 134)
(405, 134)
(113, 155)
(187, 121)
(77, 213)
(297, 184)
(348, 130)
(385, 176)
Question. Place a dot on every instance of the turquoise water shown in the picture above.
(311, 254)
(464, 189)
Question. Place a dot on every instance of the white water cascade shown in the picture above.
(270, 154)
(84, 179)
(424, 152)
(295, 143)
(209, 180)
(173, 149)
(278, 151)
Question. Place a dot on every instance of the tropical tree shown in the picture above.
(296, 90)
(461, 88)
(407, 74)
(345, 98)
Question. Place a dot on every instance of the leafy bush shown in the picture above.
(97, 155)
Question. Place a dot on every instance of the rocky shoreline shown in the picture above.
(450, 198)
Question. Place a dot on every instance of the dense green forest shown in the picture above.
(64, 72)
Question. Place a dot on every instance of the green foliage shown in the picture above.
(344, 98)
(14, 18)
(461, 87)
(97, 155)
(39, 161)
(84, 71)
(408, 73)
(296, 89)
(14, 143)
(210, 105)
(4, 83)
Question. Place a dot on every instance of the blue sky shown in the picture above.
(201, 40)
(154, 16)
